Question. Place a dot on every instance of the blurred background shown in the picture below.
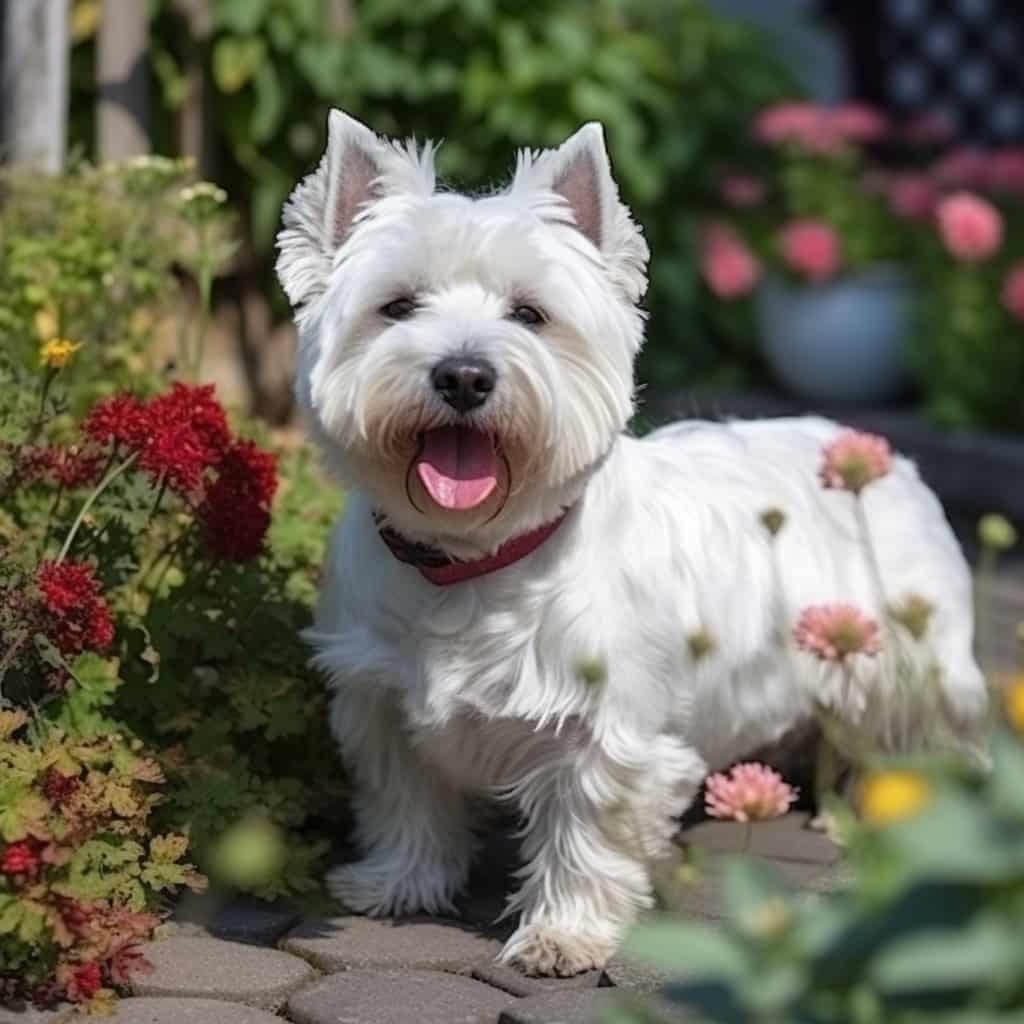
(831, 188)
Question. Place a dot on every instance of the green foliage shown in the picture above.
(82, 870)
(89, 261)
(969, 351)
(929, 931)
(155, 630)
(674, 85)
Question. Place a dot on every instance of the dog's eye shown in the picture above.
(399, 309)
(528, 316)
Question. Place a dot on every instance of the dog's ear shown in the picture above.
(357, 169)
(579, 171)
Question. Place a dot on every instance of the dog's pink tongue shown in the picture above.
(458, 467)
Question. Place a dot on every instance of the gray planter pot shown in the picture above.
(844, 341)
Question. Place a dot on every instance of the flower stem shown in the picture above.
(864, 528)
(107, 480)
(748, 838)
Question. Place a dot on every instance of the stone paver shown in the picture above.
(342, 943)
(187, 1011)
(786, 839)
(254, 921)
(508, 979)
(397, 997)
(633, 975)
(243, 919)
(20, 1013)
(216, 969)
(579, 1008)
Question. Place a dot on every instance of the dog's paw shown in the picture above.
(539, 950)
(379, 891)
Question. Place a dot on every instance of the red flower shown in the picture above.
(236, 511)
(67, 467)
(120, 419)
(178, 435)
(79, 617)
(59, 787)
(82, 982)
(197, 407)
(20, 858)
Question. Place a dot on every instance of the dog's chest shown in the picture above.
(487, 652)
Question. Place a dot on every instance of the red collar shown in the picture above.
(442, 571)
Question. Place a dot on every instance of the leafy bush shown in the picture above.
(88, 261)
(152, 679)
(143, 538)
(673, 83)
(928, 930)
(81, 869)
(969, 351)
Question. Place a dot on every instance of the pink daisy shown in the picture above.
(832, 632)
(748, 792)
(854, 460)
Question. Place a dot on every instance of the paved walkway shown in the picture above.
(256, 964)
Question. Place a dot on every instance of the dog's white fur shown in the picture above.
(564, 684)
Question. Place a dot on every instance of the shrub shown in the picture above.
(929, 929)
(145, 595)
(87, 260)
(81, 869)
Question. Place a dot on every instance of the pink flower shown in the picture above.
(787, 122)
(853, 460)
(913, 196)
(1013, 291)
(803, 124)
(729, 267)
(812, 248)
(749, 792)
(857, 122)
(832, 632)
(743, 190)
(971, 227)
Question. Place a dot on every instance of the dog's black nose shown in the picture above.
(463, 383)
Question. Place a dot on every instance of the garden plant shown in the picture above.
(834, 191)
(156, 716)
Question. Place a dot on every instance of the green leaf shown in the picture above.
(983, 954)
(697, 950)
(268, 111)
(236, 60)
(242, 16)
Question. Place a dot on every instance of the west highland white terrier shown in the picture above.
(508, 597)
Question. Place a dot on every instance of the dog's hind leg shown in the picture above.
(411, 824)
(595, 823)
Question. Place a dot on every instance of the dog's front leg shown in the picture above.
(411, 824)
(594, 825)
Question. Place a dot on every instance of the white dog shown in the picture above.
(508, 598)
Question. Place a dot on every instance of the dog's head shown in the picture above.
(465, 361)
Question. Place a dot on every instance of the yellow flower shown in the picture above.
(886, 797)
(1015, 702)
(57, 352)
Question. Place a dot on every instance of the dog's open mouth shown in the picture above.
(458, 466)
